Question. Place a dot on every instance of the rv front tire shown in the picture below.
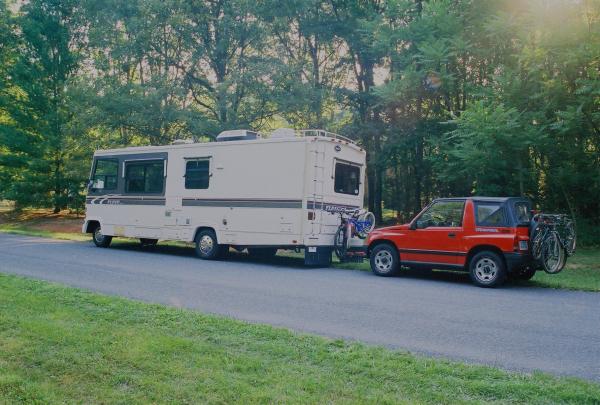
(206, 245)
(100, 239)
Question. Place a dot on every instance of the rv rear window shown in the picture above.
(347, 178)
(196, 174)
(105, 174)
(144, 177)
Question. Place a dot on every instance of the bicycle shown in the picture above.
(352, 223)
(553, 238)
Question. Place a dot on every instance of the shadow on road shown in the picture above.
(295, 261)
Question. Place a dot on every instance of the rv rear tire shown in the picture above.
(206, 245)
(100, 239)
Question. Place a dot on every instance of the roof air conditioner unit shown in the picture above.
(237, 135)
(283, 133)
(182, 142)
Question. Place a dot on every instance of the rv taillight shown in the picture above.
(311, 216)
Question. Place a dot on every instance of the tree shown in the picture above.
(36, 105)
(310, 68)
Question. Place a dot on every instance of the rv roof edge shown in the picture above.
(308, 135)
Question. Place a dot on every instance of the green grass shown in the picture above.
(581, 273)
(19, 229)
(62, 345)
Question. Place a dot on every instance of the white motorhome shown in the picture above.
(243, 191)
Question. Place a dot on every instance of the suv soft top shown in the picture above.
(516, 216)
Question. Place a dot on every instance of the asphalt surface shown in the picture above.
(516, 328)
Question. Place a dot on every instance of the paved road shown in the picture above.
(516, 328)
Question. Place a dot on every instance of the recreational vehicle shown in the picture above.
(242, 191)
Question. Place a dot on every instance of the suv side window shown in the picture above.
(442, 214)
(490, 214)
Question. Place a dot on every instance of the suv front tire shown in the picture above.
(385, 260)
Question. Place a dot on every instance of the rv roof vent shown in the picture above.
(282, 133)
(182, 142)
(237, 135)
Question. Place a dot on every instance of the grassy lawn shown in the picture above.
(581, 273)
(62, 345)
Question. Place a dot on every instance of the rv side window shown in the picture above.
(347, 178)
(144, 176)
(197, 174)
(105, 174)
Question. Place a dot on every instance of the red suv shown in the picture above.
(486, 236)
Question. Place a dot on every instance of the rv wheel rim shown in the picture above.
(206, 244)
(383, 261)
(98, 234)
(486, 270)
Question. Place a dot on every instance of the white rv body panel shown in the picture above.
(263, 192)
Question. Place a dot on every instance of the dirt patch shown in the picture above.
(43, 220)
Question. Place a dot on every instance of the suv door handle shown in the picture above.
(451, 235)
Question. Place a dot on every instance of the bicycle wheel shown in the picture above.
(570, 238)
(553, 254)
(537, 242)
(368, 220)
(339, 243)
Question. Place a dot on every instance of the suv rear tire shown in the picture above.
(385, 261)
(100, 239)
(487, 269)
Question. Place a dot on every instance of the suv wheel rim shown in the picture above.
(384, 261)
(206, 244)
(98, 235)
(486, 270)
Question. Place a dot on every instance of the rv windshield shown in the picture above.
(347, 178)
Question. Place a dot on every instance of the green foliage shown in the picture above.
(35, 105)
(449, 97)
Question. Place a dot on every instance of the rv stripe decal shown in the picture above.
(241, 203)
(329, 207)
(125, 201)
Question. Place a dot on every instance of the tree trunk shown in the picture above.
(57, 188)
